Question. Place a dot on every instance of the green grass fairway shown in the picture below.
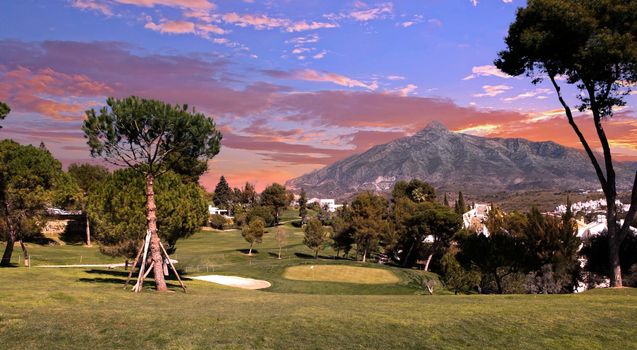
(340, 273)
(79, 308)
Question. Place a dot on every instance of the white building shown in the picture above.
(475, 217)
(216, 211)
(330, 204)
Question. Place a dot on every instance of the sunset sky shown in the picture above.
(293, 85)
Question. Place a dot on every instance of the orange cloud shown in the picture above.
(325, 77)
(49, 92)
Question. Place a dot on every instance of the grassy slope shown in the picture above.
(80, 308)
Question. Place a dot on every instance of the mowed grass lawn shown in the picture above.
(87, 308)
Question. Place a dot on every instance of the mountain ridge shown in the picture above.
(452, 161)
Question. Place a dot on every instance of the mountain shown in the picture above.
(453, 161)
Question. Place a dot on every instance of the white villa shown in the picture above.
(329, 203)
(474, 218)
(216, 211)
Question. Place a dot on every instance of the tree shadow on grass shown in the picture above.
(246, 251)
(119, 277)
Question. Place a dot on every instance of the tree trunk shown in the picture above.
(411, 248)
(279, 252)
(614, 243)
(316, 254)
(88, 230)
(155, 250)
(8, 250)
(27, 259)
(498, 282)
(250, 252)
(365, 255)
(427, 263)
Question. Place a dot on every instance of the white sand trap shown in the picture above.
(234, 281)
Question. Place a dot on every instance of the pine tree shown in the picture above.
(461, 207)
(303, 206)
(223, 194)
(446, 200)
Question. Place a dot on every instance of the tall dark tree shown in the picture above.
(145, 135)
(445, 201)
(460, 207)
(29, 177)
(88, 177)
(223, 194)
(592, 45)
(342, 231)
(4, 111)
(276, 197)
(303, 206)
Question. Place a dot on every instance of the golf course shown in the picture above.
(337, 303)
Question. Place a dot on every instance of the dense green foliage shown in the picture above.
(30, 181)
(595, 250)
(276, 197)
(118, 213)
(369, 222)
(303, 206)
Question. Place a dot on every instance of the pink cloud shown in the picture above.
(93, 5)
(324, 77)
(485, 71)
(261, 22)
(185, 4)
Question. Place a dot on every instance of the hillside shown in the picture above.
(453, 161)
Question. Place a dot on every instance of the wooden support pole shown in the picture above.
(172, 266)
(140, 277)
(130, 274)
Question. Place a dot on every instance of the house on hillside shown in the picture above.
(474, 219)
(329, 204)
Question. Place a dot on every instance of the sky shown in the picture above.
(293, 85)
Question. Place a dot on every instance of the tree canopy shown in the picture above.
(30, 180)
(276, 197)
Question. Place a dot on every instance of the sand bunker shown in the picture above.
(234, 281)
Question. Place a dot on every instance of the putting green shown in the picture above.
(340, 273)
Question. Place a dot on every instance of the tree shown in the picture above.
(552, 252)
(445, 201)
(4, 111)
(456, 277)
(248, 195)
(262, 212)
(369, 222)
(415, 190)
(592, 45)
(498, 255)
(118, 216)
(150, 137)
(223, 194)
(460, 207)
(87, 177)
(343, 231)
(316, 236)
(253, 232)
(281, 238)
(275, 196)
(303, 206)
(29, 177)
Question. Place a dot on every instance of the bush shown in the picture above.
(217, 221)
